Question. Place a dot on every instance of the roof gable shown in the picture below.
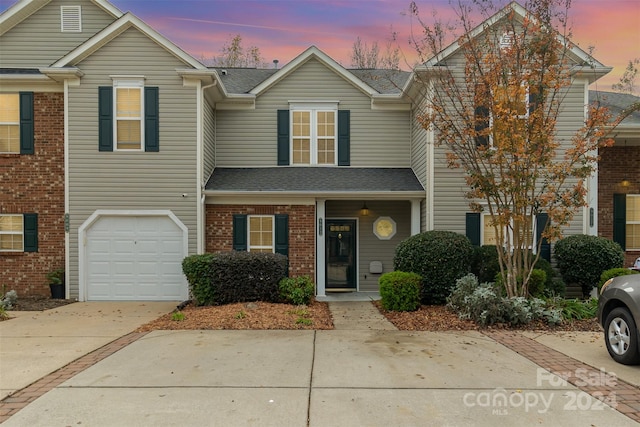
(313, 53)
(124, 23)
(25, 8)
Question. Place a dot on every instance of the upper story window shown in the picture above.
(128, 116)
(314, 134)
(70, 19)
(9, 123)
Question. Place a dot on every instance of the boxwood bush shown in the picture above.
(229, 277)
(439, 257)
(614, 272)
(296, 290)
(582, 259)
(400, 291)
(485, 265)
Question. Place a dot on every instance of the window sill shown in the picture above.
(11, 254)
(9, 155)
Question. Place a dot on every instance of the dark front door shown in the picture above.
(341, 255)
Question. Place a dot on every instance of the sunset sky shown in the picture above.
(282, 29)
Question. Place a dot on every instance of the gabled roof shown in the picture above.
(313, 53)
(585, 61)
(25, 8)
(116, 28)
(306, 180)
(617, 103)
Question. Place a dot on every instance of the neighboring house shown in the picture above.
(132, 155)
(619, 177)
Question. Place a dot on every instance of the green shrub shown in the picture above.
(485, 265)
(574, 309)
(400, 291)
(556, 287)
(247, 276)
(296, 290)
(483, 304)
(582, 259)
(537, 282)
(199, 269)
(614, 272)
(439, 257)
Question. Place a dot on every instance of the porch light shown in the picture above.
(365, 210)
(625, 182)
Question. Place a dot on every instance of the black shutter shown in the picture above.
(151, 120)
(542, 220)
(620, 219)
(239, 232)
(105, 118)
(26, 123)
(283, 137)
(473, 227)
(282, 234)
(344, 137)
(481, 116)
(30, 230)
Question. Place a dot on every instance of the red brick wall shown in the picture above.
(35, 184)
(616, 163)
(219, 232)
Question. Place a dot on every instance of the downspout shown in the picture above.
(67, 240)
(199, 167)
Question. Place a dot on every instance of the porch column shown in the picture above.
(415, 216)
(321, 278)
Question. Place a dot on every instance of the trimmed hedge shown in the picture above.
(439, 257)
(400, 291)
(229, 277)
(582, 259)
(297, 290)
(485, 264)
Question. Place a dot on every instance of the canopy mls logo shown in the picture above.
(501, 401)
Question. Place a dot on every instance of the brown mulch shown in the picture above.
(440, 318)
(39, 303)
(252, 315)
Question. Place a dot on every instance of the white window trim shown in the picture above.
(314, 108)
(14, 233)
(273, 233)
(65, 11)
(628, 222)
(13, 124)
(131, 83)
(486, 216)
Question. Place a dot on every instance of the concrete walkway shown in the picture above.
(358, 316)
(372, 377)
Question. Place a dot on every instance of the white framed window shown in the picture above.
(632, 228)
(488, 235)
(260, 229)
(71, 19)
(11, 233)
(128, 102)
(314, 129)
(9, 123)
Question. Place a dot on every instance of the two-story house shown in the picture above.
(131, 155)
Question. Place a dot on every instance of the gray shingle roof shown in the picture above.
(314, 179)
(243, 80)
(616, 103)
(19, 71)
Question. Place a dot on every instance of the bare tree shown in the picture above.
(627, 83)
(234, 55)
(364, 56)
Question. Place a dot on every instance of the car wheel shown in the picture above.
(621, 337)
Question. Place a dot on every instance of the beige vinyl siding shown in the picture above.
(248, 138)
(209, 132)
(370, 248)
(419, 151)
(135, 180)
(38, 42)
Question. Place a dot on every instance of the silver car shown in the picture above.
(619, 315)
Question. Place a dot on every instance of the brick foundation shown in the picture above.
(219, 232)
(616, 163)
(35, 184)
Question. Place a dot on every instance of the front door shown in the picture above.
(341, 255)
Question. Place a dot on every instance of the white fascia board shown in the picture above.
(313, 52)
(127, 21)
(62, 73)
(395, 102)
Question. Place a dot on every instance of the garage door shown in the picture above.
(135, 258)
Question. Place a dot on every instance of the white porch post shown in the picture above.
(415, 217)
(321, 279)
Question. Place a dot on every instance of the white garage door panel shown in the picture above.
(135, 258)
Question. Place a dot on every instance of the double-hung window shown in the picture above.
(314, 134)
(632, 229)
(9, 123)
(128, 116)
(18, 233)
(261, 233)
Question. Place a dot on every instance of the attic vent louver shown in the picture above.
(70, 19)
